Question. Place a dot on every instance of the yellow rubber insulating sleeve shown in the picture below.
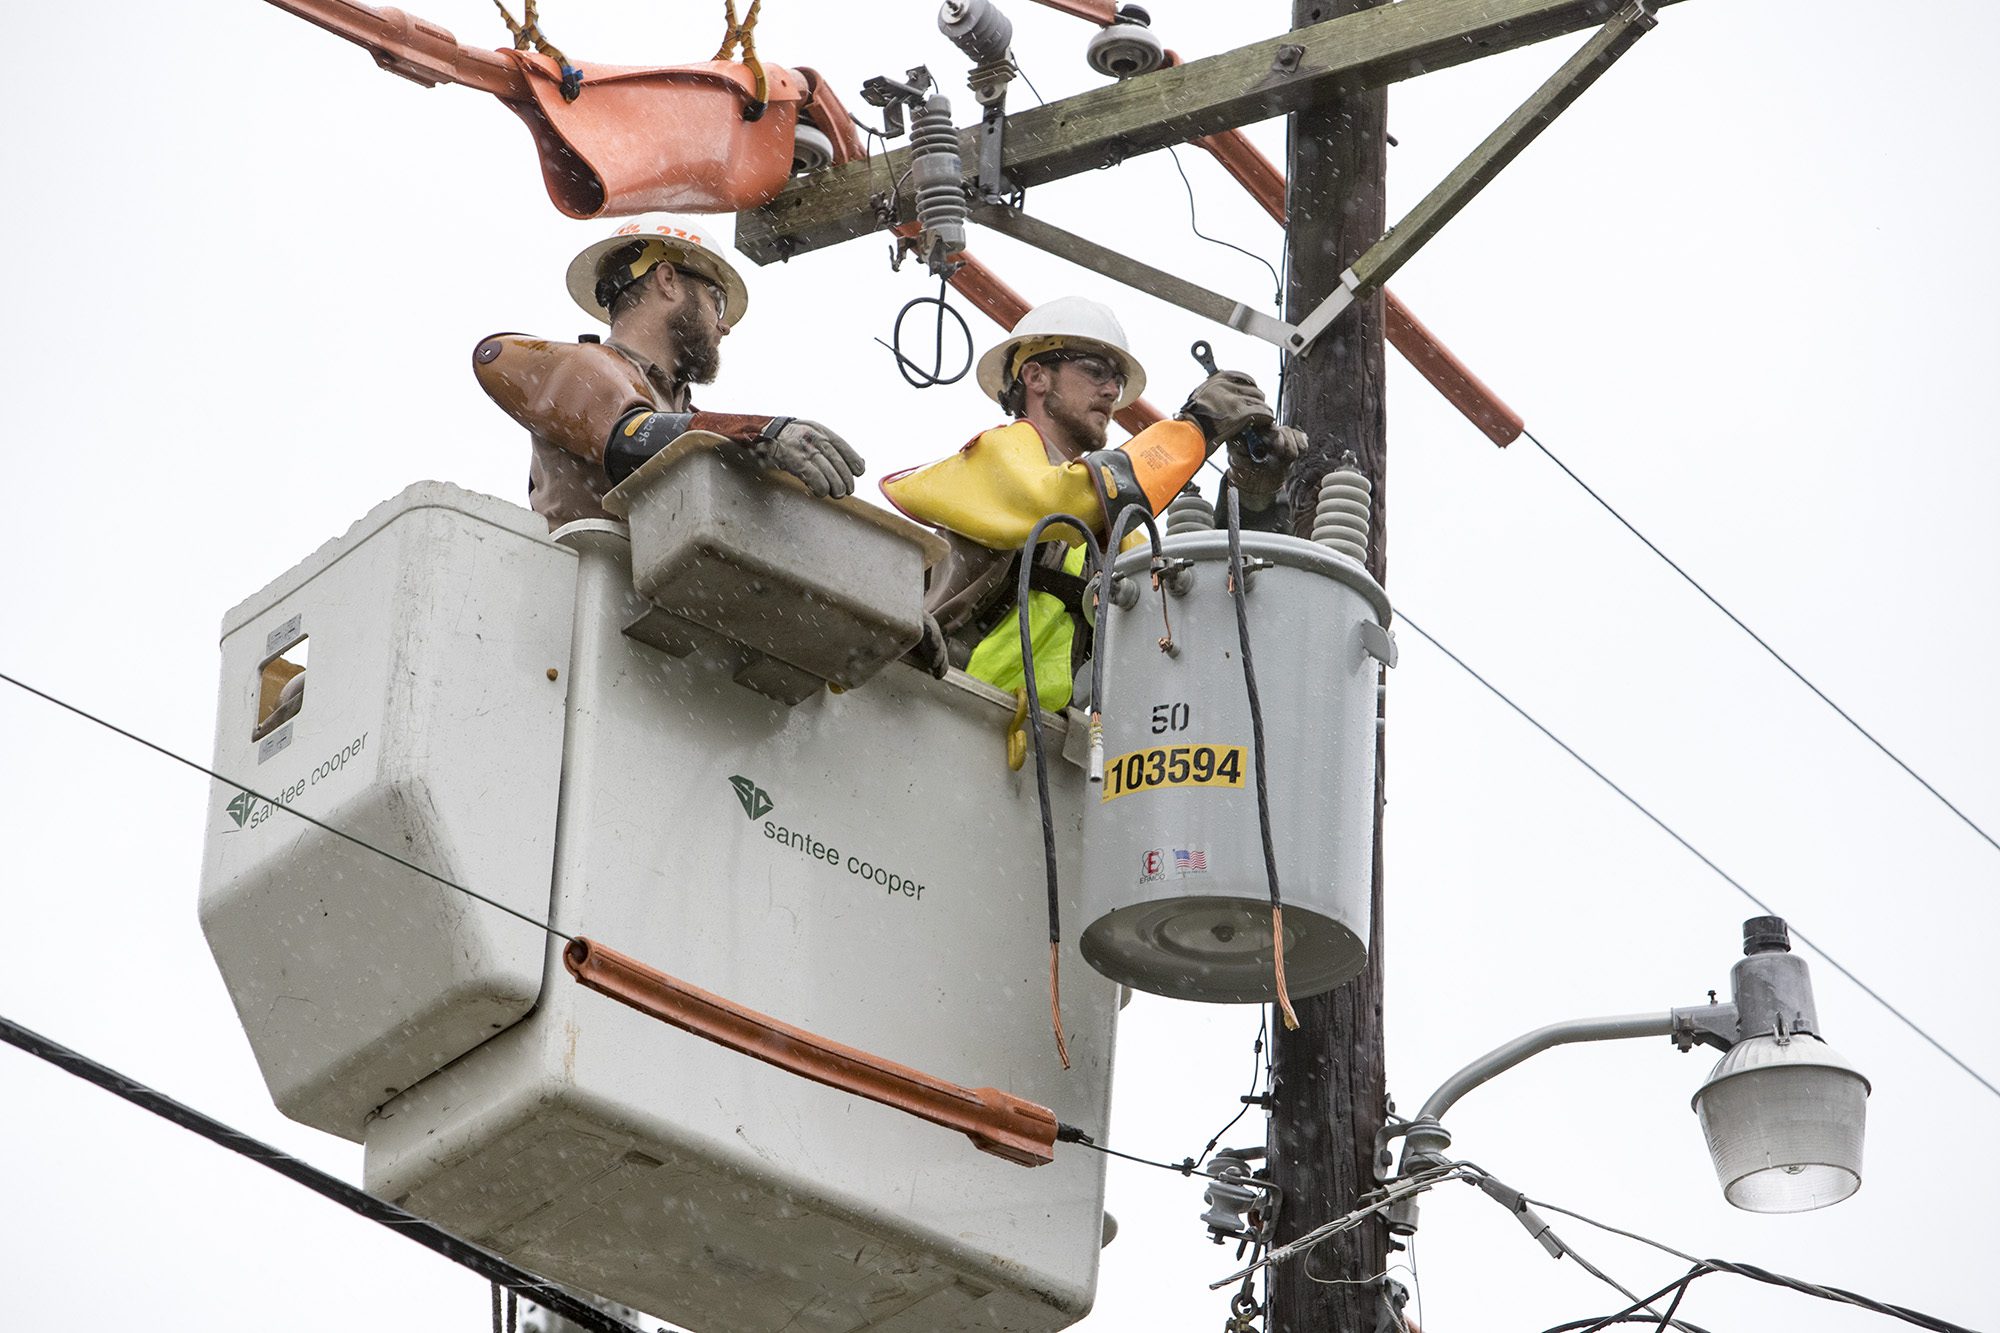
(997, 488)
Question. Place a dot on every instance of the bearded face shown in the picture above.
(697, 338)
(1081, 407)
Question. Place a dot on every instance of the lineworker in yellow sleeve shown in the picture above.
(1061, 374)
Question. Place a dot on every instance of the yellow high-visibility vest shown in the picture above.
(997, 659)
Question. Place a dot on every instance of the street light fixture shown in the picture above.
(1782, 1111)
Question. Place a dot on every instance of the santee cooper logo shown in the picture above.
(756, 801)
(240, 807)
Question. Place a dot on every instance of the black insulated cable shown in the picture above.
(1194, 225)
(1095, 562)
(1678, 1288)
(913, 374)
(427, 1234)
(1119, 527)
(1259, 1070)
(1236, 580)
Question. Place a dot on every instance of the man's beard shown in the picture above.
(1077, 418)
(697, 345)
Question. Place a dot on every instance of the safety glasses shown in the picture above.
(713, 288)
(1098, 370)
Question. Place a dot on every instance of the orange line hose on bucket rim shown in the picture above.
(997, 1122)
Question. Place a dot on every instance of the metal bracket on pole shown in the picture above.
(1442, 204)
(988, 82)
(1144, 277)
(991, 181)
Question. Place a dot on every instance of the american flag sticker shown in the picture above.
(1190, 860)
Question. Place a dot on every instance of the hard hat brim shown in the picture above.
(992, 372)
(581, 278)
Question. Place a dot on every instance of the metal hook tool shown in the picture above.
(1254, 439)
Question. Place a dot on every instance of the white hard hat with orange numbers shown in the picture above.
(605, 267)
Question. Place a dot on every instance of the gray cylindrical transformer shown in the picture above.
(1175, 891)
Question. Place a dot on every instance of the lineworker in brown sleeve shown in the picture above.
(1061, 374)
(595, 410)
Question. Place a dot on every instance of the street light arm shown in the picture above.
(1424, 1137)
(1505, 1057)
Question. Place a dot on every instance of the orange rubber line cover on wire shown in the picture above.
(1103, 13)
(603, 154)
(997, 1122)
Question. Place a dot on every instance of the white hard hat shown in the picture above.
(660, 241)
(1068, 323)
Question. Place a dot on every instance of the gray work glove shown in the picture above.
(1225, 405)
(932, 653)
(809, 451)
(1258, 483)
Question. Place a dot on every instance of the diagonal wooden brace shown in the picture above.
(997, 1122)
(1441, 205)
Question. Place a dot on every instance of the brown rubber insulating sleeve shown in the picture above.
(996, 1122)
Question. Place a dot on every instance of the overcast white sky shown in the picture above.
(1745, 286)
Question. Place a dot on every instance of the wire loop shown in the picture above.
(913, 374)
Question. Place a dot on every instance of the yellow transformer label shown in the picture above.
(1174, 766)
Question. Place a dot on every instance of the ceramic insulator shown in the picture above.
(1340, 523)
(1189, 513)
(978, 28)
(938, 177)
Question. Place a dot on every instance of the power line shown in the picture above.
(1616, 1231)
(1260, 1069)
(1666, 828)
(1388, 1196)
(427, 1234)
(1702, 1267)
(1760, 641)
(157, 748)
(1521, 1209)
(1697, 853)
(1185, 1167)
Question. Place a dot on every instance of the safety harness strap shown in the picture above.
(1065, 587)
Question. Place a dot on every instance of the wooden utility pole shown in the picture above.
(1329, 1092)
